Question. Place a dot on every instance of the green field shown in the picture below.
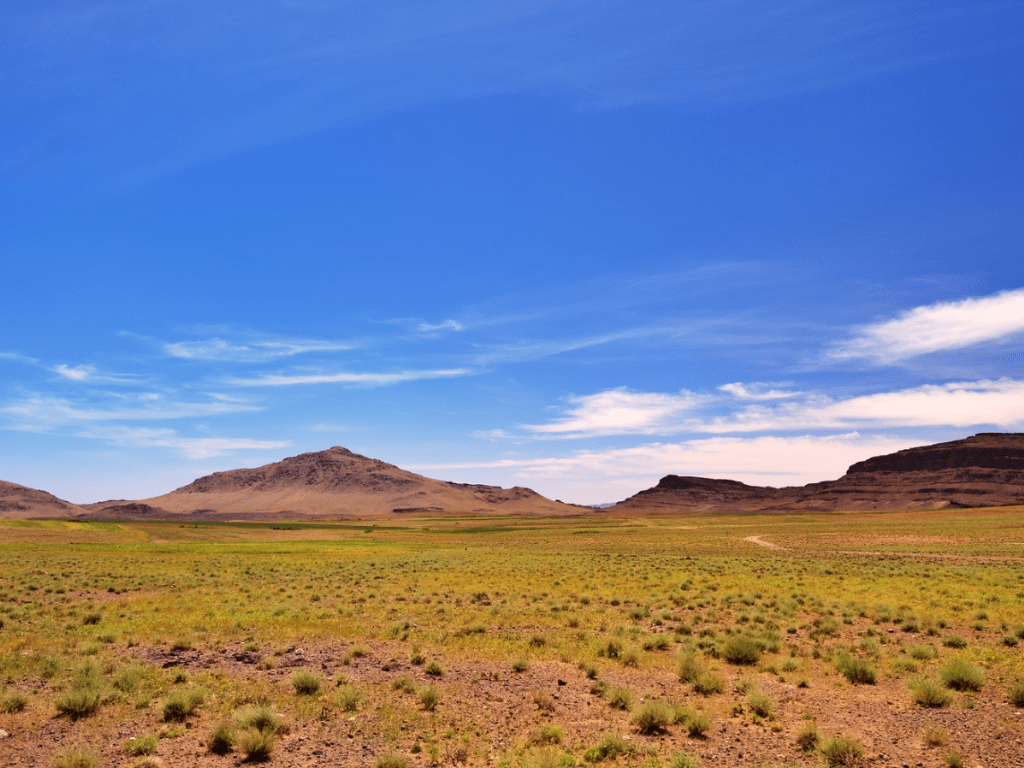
(532, 642)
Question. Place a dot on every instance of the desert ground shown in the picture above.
(805, 639)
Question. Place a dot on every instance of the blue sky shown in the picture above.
(571, 245)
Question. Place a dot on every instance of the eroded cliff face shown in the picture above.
(984, 470)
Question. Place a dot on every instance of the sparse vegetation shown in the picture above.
(961, 676)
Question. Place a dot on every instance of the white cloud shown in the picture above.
(43, 413)
(250, 352)
(957, 404)
(755, 392)
(447, 325)
(936, 327)
(612, 475)
(621, 412)
(364, 379)
(79, 373)
(191, 447)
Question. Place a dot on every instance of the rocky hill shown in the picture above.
(338, 483)
(17, 501)
(984, 470)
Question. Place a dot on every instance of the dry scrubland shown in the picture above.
(871, 638)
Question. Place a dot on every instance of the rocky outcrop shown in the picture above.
(19, 501)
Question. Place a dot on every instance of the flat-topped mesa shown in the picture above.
(987, 450)
(686, 483)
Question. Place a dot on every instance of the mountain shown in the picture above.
(336, 483)
(17, 501)
(984, 470)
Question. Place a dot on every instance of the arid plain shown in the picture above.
(804, 638)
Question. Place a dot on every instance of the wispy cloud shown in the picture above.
(42, 413)
(935, 328)
(252, 351)
(447, 325)
(89, 374)
(18, 358)
(526, 351)
(361, 379)
(955, 404)
(756, 391)
(191, 447)
(621, 412)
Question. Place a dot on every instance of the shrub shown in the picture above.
(652, 717)
(520, 665)
(1016, 694)
(78, 702)
(392, 760)
(935, 736)
(954, 760)
(128, 679)
(927, 693)
(75, 757)
(434, 668)
(841, 750)
(538, 641)
(761, 704)
(92, 619)
(222, 740)
(807, 738)
(631, 657)
(922, 652)
(619, 698)
(404, 683)
(258, 717)
(306, 682)
(143, 745)
(181, 704)
(961, 676)
(348, 697)
(684, 760)
(690, 667)
(954, 641)
(741, 650)
(16, 702)
(708, 683)
(430, 697)
(609, 748)
(697, 725)
(611, 648)
(256, 744)
(547, 734)
(857, 671)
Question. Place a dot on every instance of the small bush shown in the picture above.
(935, 736)
(741, 650)
(75, 757)
(841, 750)
(961, 676)
(391, 760)
(807, 738)
(631, 657)
(222, 740)
(306, 682)
(258, 717)
(609, 748)
(697, 725)
(430, 697)
(611, 648)
(255, 744)
(927, 693)
(708, 683)
(520, 665)
(690, 667)
(619, 698)
(434, 668)
(547, 734)
(954, 641)
(78, 702)
(761, 704)
(684, 760)
(857, 671)
(1016, 694)
(128, 679)
(922, 652)
(16, 702)
(92, 619)
(652, 717)
(143, 745)
(181, 704)
(404, 683)
(544, 702)
(348, 697)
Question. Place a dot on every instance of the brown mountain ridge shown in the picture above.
(986, 469)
